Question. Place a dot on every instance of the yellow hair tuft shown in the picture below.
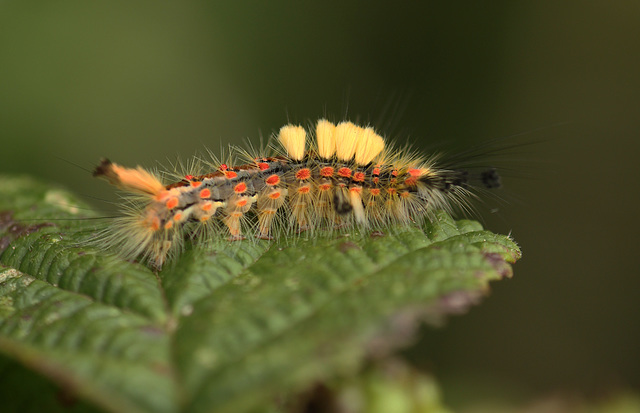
(326, 138)
(293, 139)
(370, 144)
(346, 140)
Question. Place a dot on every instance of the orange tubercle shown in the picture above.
(172, 202)
(411, 181)
(273, 180)
(358, 176)
(303, 174)
(327, 171)
(344, 172)
(205, 193)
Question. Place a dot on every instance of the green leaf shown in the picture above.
(227, 326)
(384, 386)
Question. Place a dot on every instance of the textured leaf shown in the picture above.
(223, 328)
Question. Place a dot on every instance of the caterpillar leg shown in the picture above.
(160, 253)
(355, 199)
(302, 205)
(269, 201)
(237, 206)
(341, 200)
(265, 218)
(324, 202)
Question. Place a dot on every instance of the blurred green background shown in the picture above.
(145, 81)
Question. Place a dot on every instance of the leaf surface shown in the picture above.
(226, 326)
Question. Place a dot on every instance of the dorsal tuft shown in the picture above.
(293, 139)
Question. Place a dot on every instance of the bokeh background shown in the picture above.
(145, 81)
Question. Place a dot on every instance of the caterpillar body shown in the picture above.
(342, 176)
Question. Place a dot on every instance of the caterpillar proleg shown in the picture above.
(334, 176)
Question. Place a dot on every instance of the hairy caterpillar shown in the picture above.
(342, 176)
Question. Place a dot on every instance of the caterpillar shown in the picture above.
(340, 175)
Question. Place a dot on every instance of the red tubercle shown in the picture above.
(241, 202)
(207, 206)
(263, 166)
(230, 174)
(272, 180)
(327, 172)
(274, 195)
(394, 172)
(224, 167)
(376, 171)
(376, 180)
(414, 172)
(195, 184)
(205, 193)
(358, 176)
(411, 181)
(356, 189)
(172, 202)
(374, 191)
(304, 189)
(303, 174)
(324, 187)
(344, 172)
(240, 188)
(188, 177)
